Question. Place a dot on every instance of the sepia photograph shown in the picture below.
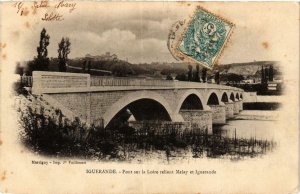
(118, 97)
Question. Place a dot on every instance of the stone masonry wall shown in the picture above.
(218, 114)
(241, 105)
(78, 103)
(236, 107)
(101, 102)
(201, 120)
(229, 109)
(160, 127)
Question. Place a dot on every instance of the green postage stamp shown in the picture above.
(204, 38)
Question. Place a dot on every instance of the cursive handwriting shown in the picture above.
(52, 17)
(19, 6)
(63, 4)
(23, 8)
(42, 4)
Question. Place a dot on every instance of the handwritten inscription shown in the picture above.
(52, 17)
(53, 10)
(68, 5)
(41, 4)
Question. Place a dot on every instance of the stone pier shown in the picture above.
(229, 109)
(218, 114)
(236, 107)
(240, 105)
(201, 120)
(149, 127)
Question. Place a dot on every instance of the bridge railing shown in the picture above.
(186, 84)
(58, 82)
(116, 81)
(26, 81)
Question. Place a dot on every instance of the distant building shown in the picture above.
(248, 81)
(104, 57)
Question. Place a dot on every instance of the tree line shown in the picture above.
(41, 61)
(267, 74)
(196, 75)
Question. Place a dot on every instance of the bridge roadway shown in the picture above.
(109, 102)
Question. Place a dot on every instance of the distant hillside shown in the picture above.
(249, 69)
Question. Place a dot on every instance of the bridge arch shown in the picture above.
(137, 97)
(237, 96)
(225, 97)
(213, 99)
(194, 96)
(192, 102)
(232, 97)
(241, 96)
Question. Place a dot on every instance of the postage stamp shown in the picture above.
(204, 38)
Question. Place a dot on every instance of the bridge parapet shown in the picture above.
(58, 82)
(118, 81)
(53, 82)
(195, 85)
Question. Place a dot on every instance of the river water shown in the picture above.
(248, 135)
(258, 129)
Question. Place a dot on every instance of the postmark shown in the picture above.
(174, 35)
(204, 38)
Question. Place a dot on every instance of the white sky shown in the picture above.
(138, 31)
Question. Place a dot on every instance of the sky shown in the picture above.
(138, 32)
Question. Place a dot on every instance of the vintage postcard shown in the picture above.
(149, 97)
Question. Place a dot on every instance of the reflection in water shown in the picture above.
(258, 129)
(218, 145)
(239, 139)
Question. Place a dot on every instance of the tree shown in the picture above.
(122, 70)
(89, 66)
(41, 62)
(217, 77)
(263, 78)
(271, 73)
(235, 78)
(19, 69)
(84, 65)
(63, 51)
(169, 77)
(204, 75)
(190, 73)
(196, 74)
(181, 77)
(266, 74)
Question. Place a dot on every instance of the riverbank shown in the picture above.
(265, 115)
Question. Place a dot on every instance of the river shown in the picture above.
(249, 135)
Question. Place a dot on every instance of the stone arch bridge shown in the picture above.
(106, 101)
